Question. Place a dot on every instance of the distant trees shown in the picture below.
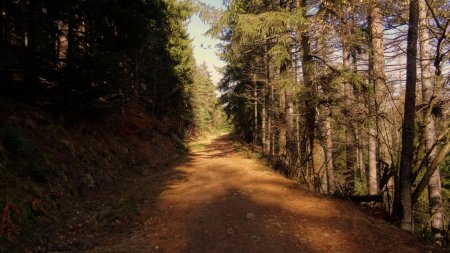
(207, 110)
(320, 86)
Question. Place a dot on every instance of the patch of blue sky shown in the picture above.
(205, 47)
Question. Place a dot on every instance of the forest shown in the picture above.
(110, 56)
(83, 80)
(104, 111)
(350, 98)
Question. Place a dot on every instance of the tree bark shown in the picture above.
(348, 92)
(429, 132)
(382, 139)
(372, 175)
(290, 150)
(360, 156)
(62, 44)
(263, 120)
(282, 124)
(440, 156)
(307, 65)
(271, 123)
(331, 181)
(31, 43)
(406, 162)
(378, 81)
(267, 123)
(255, 113)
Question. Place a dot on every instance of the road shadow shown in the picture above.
(216, 201)
(220, 146)
(226, 207)
(114, 212)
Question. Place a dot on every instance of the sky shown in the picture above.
(204, 46)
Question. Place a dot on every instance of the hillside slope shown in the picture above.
(51, 169)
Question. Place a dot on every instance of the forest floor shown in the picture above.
(217, 200)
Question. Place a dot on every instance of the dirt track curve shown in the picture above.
(221, 201)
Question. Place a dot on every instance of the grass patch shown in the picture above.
(224, 129)
(196, 147)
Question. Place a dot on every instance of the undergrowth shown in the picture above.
(48, 165)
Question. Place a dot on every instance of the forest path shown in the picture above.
(221, 201)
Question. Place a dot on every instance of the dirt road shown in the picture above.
(221, 201)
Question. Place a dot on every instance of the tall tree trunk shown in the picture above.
(5, 36)
(3, 22)
(31, 42)
(429, 133)
(71, 27)
(381, 90)
(70, 62)
(407, 153)
(372, 175)
(282, 124)
(267, 126)
(271, 125)
(360, 155)
(255, 113)
(310, 107)
(331, 181)
(62, 44)
(290, 136)
(348, 92)
(298, 140)
(263, 120)
(379, 77)
(378, 82)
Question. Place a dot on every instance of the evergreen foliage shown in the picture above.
(311, 85)
(100, 56)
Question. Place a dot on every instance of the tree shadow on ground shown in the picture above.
(214, 200)
(114, 211)
(226, 207)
